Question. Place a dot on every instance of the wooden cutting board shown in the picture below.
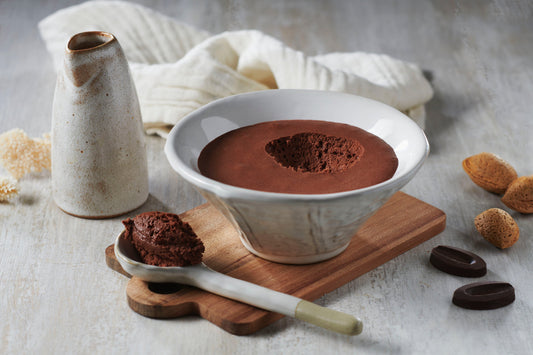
(401, 224)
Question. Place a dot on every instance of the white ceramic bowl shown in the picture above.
(295, 228)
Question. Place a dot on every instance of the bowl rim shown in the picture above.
(234, 192)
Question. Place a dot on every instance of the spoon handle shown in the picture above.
(328, 318)
(275, 301)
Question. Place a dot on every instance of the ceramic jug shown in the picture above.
(99, 166)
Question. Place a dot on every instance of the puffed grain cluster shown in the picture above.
(20, 155)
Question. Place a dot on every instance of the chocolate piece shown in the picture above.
(163, 239)
(484, 295)
(456, 261)
(298, 156)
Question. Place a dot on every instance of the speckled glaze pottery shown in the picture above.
(296, 228)
(99, 166)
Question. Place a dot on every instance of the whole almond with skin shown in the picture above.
(498, 227)
(489, 172)
(519, 195)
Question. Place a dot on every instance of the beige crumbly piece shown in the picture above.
(20, 154)
(490, 172)
(519, 195)
(498, 227)
(8, 188)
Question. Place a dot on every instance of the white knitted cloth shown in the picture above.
(177, 68)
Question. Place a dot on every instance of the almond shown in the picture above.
(489, 172)
(519, 195)
(498, 227)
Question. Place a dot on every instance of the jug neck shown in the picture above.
(88, 41)
(87, 53)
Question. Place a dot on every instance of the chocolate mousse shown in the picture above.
(315, 152)
(163, 239)
(298, 156)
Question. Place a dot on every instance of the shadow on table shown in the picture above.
(368, 339)
(151, 204)
(442, 112)
(365, 340)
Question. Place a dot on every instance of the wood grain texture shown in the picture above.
(401, 224)
(58, 296)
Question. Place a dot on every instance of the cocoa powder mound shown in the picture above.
(315, 152)
(163, 239)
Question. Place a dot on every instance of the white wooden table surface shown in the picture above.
(58, 296)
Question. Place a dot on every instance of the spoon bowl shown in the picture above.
(130, 260)
(202, 277)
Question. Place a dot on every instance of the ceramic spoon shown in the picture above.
(203, 277)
